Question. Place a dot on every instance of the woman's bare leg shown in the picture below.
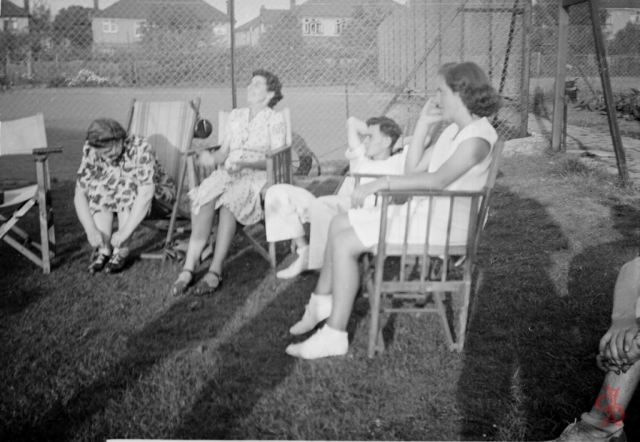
(201, 224)
(226, 231)
(104, 223)
(339, 224)
(347, 248)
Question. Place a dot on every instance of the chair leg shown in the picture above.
(375, 334)
(43, 212)
(272, 255)
(256, 245)
(438, 297)
(462, 321)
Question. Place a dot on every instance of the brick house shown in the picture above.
(13, 18)
(123, 23)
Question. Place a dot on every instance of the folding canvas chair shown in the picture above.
(423, 287)
(27, 136)
(169, 127)
(278, 172)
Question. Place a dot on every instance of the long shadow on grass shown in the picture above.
(253, 363)
(178, 328)
(592, 277)
(518, 322)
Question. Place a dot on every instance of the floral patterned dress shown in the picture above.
(112, 185)
(250, 141)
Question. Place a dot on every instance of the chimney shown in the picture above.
(27, 8)
(96, 6)
(292, 4)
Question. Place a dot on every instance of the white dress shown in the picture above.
(366, 221)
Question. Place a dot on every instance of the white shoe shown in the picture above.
(317, 310)
(326, 342)
(298, 266)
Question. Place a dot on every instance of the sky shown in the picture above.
(245, 10)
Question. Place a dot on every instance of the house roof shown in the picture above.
(620, 4)
(10, 9)
(268, 17)
(340, 8)
(142, 9)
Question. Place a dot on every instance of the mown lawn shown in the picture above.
(89, 358)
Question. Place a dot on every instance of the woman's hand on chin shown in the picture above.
(430, 112)
(207, 159)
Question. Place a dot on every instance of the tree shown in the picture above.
(626, 41)
(40, 26)
(74, 24)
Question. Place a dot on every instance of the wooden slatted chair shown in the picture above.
(28, 136)
(169, 127)
(423, 288)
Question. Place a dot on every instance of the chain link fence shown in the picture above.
(336, 58)
(620, 26)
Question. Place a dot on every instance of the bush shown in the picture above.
(87, 78)
(627, 104)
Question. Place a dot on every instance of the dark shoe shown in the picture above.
(583, 432)
(204, 288)
(98, 263)
(179, 287)
(116, 263)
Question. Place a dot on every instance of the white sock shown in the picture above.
(317, 309)
(298, 266)
(326, 342)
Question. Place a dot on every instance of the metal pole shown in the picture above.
(232, 20)
(561, 74)
(608, 93)
(526, 67)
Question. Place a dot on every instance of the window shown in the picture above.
(635, 18)
(10, 24)
(138, 28)
(312, 26)
(109, 26)
(340, 24)
(219, 30)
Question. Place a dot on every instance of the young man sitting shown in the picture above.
(288, 207)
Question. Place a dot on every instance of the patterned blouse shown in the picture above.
(112, 185)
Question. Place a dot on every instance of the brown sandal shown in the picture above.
(179, 287)
(204, 288)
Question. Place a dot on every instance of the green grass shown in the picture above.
(89, 358)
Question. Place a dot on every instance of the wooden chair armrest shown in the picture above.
(47, 150)
(366, 175)
(272, 153)
(425, 193)
(199, 149)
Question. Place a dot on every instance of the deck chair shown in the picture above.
(423, 286)
(169, 126)
(27, 136)
(278, 172)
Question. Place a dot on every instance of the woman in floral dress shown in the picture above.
(118, 174)
(234, 187)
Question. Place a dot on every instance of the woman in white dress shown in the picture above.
(235, 187)
(459, 160)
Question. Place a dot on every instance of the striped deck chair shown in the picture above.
(27, 136)
(169, 126)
